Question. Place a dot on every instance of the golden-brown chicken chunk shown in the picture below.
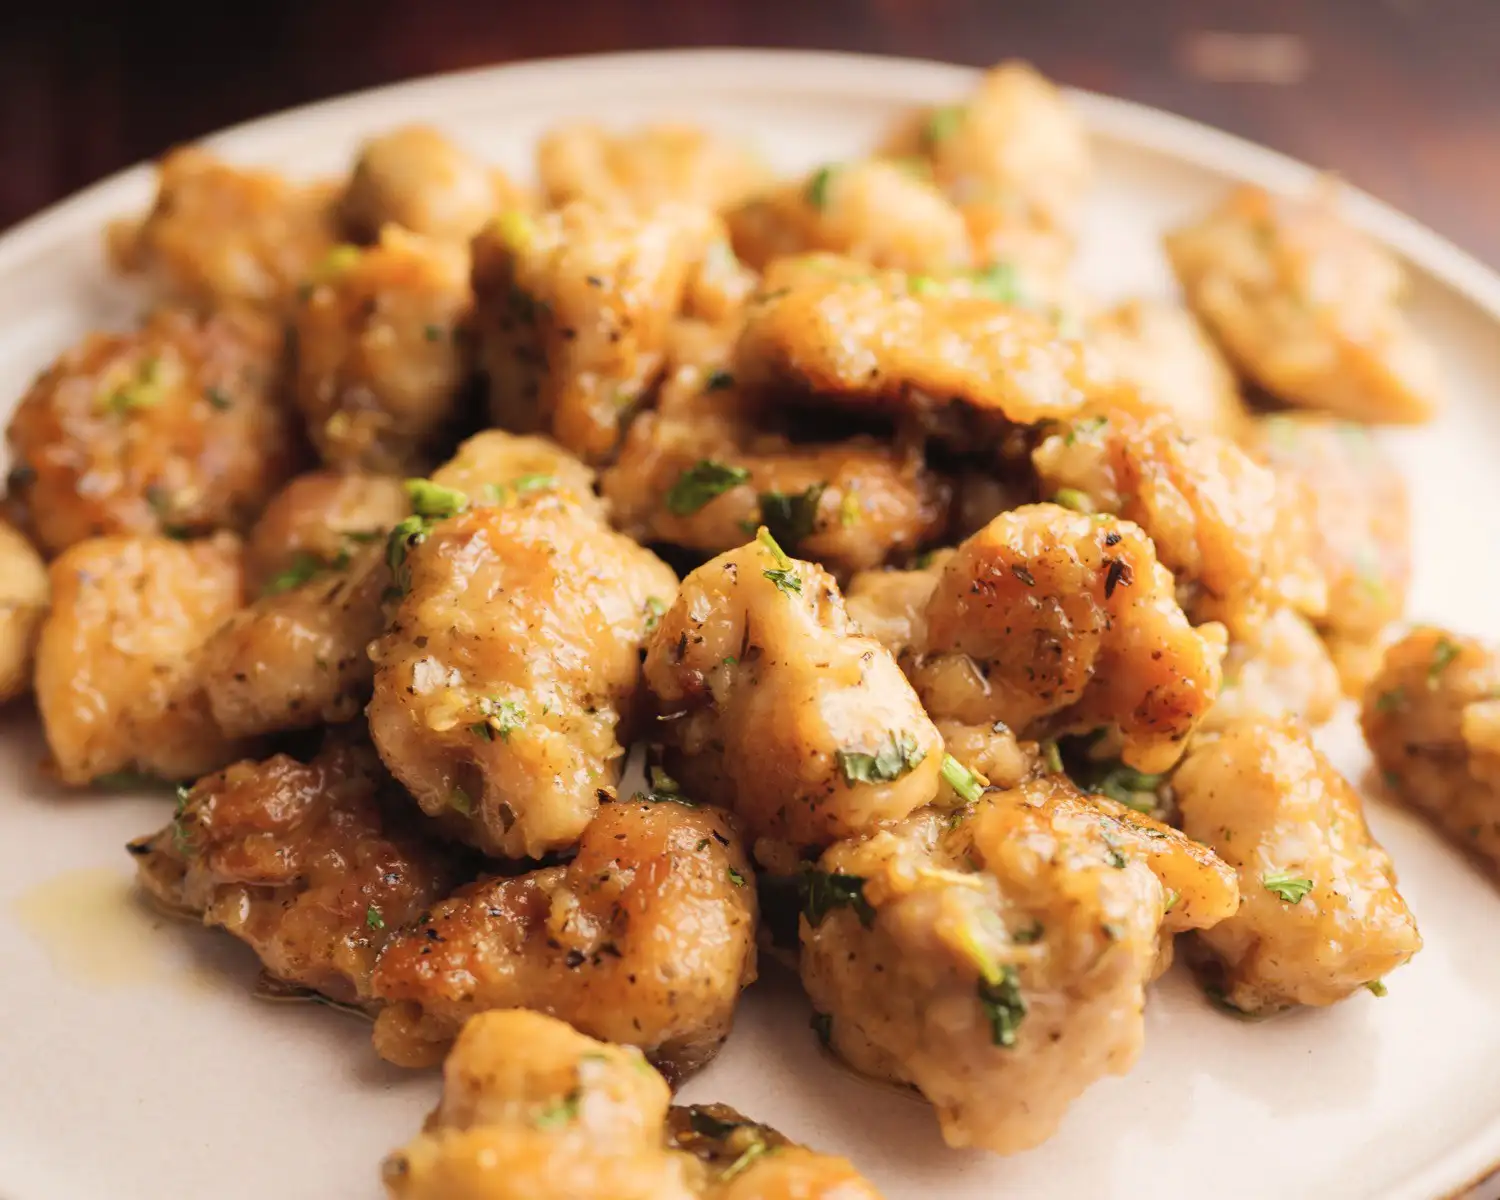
(872, 211)
(1356, 503)
(118, 673)
(645, 938)
(532, 1109)
(772, 702)
(1235, 539)
(1015, 143)
(219, 235)
(380, 353)
(23, 605)
(1320, 915)
(298, 656)
(416, 178)
(646, 167)
(312, 864)
(703, 467)
(506, 679)
(319, 520)
(1281, 671)
(740, 1159)
(998, 962)
(965, 364)
(1307, 306)
(1163, 350)
(1050, 621)
(495, 465)
(1432, 718)
(174, 428)
(572, 312)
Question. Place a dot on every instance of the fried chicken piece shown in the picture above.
(998, 962)
(1236, 540)
(532, 1109)
(647, 167)
(1432, 719)
(119, 680)
(415, 177)
(1356, 502)
(1307, 306)
(506, 679)
(705, 465)
(1049, 621)
(1015, 144)
(772, 702)
(381, 352)
(23, 607)
(872, 211)
(495, 465)
(965, 365)
(645, 938)
(298, 657)
(219, 236)
(572, 309)
(741, 1159)
(1161, 348)
(1280, 672)
(317, 521)
(310, 864)
(1320, 916)
(174, 428)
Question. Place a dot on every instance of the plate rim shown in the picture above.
(1468, 1164)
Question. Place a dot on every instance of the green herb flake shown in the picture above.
(924, 285)
(783, 576)
(656, 608)
(433, 333)
(963, 781)
(892, 760)
(1442, 654)
(1376, 987)
(849, 509)
(663, 789)
(433, 500)
(218, 398)
(792, 517)
(701, 483)
(1051, 757)
(304, 566)
(559, 1112)
(459, 801)
(747, 1156)
(719, 381)
(1113, 855)
(144, 391)
(527, 484)
(373, 919)
(1130, 787)
(1000, 997)
(1393, 700)
(942, 124)
(822, 1025)
(816, 192)
(408, 533)
(1173, 896)
(823, 891)
(502, 717)
(1029, 935)
(1289, 887)
(182, 841)
(999, 282)
(736, 878)
(1087, 427)
(1073, 498)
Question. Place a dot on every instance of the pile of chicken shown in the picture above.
(1003, 625)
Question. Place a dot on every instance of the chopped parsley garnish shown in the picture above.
(1442, 654)
(1112, 854)
(823, 891)
(719, 381)
(965, 782)
(1074, 499)
(656, 608)
(534, 483)
(849, 509)
(891, 761)
(218, 398)
(304, 567)
(1173, 896)
(182, 842)
(461, 802)
(999, 282)
(409, 532)
(747, 1156)
(818, 184)
(1391, 701)
(433, 333)
(663, 789)
(792, 517)
(144, 391)
(1000, 996)
(783, 576)
(1084, 428)
(736, 878)
(822, 1025)
(924, 285)
(1130, 787)
(433, 500)
(942, 124)
(701, 483)
(1051, 757)
(373, 919)
(1376, 987)
(501, 718)
(559, 1112)
(1289, 887)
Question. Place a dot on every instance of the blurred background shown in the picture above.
(1402, 97)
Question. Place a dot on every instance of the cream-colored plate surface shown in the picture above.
(134, 1063)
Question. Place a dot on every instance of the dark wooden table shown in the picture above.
(1400, 96)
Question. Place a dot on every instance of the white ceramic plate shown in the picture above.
(135, 1063)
